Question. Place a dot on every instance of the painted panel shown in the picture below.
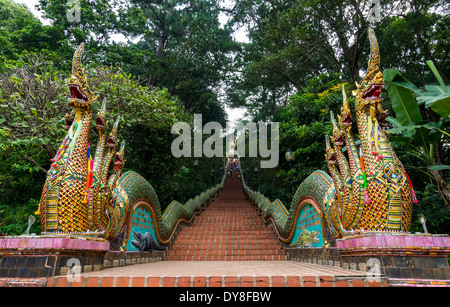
(308, 228)
(142, 221)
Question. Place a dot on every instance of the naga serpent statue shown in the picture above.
(81, 197)
(368, 190)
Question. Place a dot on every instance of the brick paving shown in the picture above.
(221, 274)
(225, 268)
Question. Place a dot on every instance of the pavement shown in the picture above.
(220, 274)
(224, 268)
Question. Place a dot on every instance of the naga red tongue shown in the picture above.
(376, 93)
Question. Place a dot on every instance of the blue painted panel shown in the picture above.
(142, 221)
(310, 220)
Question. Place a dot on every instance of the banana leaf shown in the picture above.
(401, 91)
(436, 97)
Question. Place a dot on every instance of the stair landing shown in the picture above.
(221, 274)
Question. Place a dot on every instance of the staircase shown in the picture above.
(229, 229)
(223, 247)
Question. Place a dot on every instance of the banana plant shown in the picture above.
(406, 99)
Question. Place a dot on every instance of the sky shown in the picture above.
(240, 35)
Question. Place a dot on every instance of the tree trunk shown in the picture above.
(441, 175)
(160, 52)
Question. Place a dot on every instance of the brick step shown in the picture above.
(211, 239)
(228, 231)
(225, 234)
(216, 281)
(217, 239)
(229, 258)
(225, 218)
(231, 226)
(228, 227)
(223, 245)
(225, 252)
(213, 247)
(244, 216)
(228, 223)
(220, 274)
(223, 240)
(211, 229)
(226, 240)
(221, 222)
(206, 240)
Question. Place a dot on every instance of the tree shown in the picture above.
(303, 124)
(22, 33)
(33, 101)
(293, 41)
(416, 37)
(189, 50)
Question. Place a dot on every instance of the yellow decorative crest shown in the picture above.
(80, 93)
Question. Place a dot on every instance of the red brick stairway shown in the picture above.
(229, 229)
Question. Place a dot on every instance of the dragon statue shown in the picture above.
(80, 195)
(368, 190)
(306, 238)
(145, 242)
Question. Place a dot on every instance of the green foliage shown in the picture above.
(15, 218)
(34, 100)
(189, 50)
(292, 41)
(427, 134)
(430, 205)
(303, 124)
(408, 40)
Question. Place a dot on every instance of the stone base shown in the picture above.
(395, 243)
(52, 255)
(405, 259)
(114, 259)
(49, 255)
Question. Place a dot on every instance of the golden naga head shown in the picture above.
(345, 119)
(119, 160)
(100, 120)
(330, 155)
(368, 93)
(112, 137)
(338, 134)
(68, 119)
(80, 93)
